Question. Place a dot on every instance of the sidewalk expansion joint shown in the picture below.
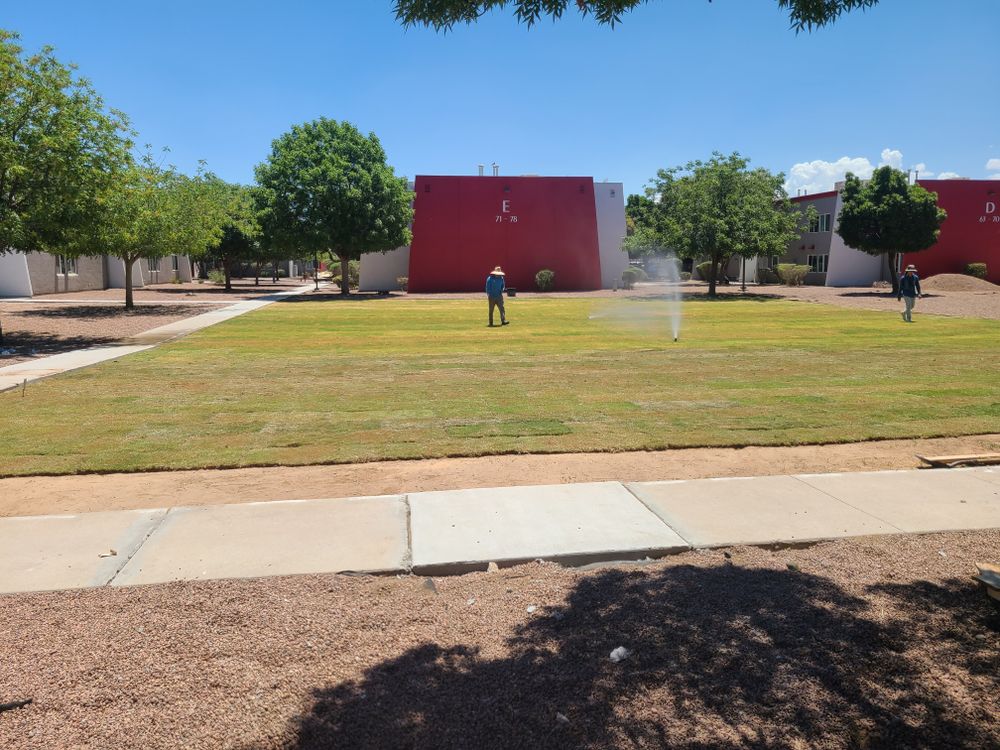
(152, 530)
(645, 505)
(844, 502)
(408, 554)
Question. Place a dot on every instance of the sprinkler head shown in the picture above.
(675, 339)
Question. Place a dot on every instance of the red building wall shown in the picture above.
(465, 226)
(970, 234)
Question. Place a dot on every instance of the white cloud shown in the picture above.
(993, 164)
(892, 157)
(994, 176)
(818, 176)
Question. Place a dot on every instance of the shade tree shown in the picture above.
(327, 188)
(886, 216)
(443, 15)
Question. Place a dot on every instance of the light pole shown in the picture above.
(743, 276)
(316, 272)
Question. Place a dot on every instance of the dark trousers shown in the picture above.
(497, 302)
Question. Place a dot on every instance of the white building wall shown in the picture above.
(847, 266)
(609, 199)
(14, 278)
(116, 273)
(379, 271)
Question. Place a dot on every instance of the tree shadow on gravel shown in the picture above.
(722, 657)
(27, 344)
(96, 312)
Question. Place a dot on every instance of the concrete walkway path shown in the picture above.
(437, 533)
(15, 376)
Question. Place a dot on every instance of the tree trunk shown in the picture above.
(712, 273)
(228, 273)
(256, 274)
(129, 304)
(345, 275)
(893, 276)
(274, 272)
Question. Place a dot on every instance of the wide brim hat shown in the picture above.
(497, 272)
(911, 267)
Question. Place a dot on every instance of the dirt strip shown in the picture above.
(882, 642)
(22, 496)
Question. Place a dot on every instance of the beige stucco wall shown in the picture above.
(43, 269)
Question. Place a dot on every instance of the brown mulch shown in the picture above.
(34, 329)
(867, 643)
(957, 282)
(41, 495)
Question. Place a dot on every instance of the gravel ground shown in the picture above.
(49, 329)
(165, 293)
(40, 495)
(867, 643)
(977, 304)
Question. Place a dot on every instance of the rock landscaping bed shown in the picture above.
(33, 329)
(867, 643)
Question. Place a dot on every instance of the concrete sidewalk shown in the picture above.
(435, 533)
(14, 376)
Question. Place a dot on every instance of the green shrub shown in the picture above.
(353, 272)
(545, 280)
(767, 276)
(704, 269)
(685, 275)
(631, 275)
(792, 274)
(976, 269)
(403, 281)
(216, 276)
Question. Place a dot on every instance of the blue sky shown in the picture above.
(910, 82)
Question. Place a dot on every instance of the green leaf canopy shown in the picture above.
(59, 149)
(327, 188)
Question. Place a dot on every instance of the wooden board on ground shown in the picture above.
(989, 576)
(950, 462)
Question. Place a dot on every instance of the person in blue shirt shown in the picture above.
(494, 290)
(909, 290)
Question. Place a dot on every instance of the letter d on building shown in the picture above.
(991, 207)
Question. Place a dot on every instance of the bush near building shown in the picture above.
(545, 280)
(792, 274)
(975, 269)
(704, 271)
(403, 281)
(631, 275)
(768, 276)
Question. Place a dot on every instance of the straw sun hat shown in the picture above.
(497, 272)
(911, 267)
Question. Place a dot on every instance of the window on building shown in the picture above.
(819, 263)
(67, 266)
(820, 223)
(174, 263)
(153, 264)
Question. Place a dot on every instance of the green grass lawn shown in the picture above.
(307, 382)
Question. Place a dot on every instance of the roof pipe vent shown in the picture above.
(482, 167)
(496, 169)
